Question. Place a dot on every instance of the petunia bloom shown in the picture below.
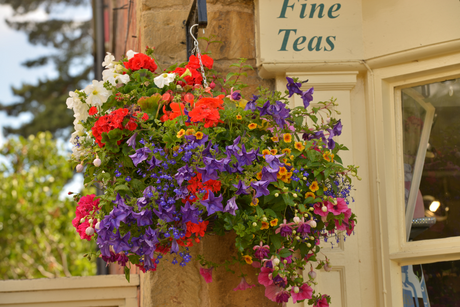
(243, 285)
(304, 292)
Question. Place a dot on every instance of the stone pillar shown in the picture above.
(162, 26)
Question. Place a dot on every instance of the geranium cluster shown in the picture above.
(178, 161)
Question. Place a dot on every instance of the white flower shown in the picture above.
(97, 94)
(81, 111)
(112, 76)
(72, 100)
(164, 79)
(108, 61)
(130, 54)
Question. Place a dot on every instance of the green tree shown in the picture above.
(72, 42)
(37, 238)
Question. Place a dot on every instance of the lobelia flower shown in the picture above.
(231, 206)
(164, 79)
(207, 274)
(243, 285)
(213, 204)
(304, 292)
(307, 97)
(293, 87)
(97, 93)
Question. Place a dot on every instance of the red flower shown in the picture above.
(92, 111)
(194, 62)
(131, 125)
(145, 117)
(202, 113)
(141, 61)
(196, 77)
(108, 123)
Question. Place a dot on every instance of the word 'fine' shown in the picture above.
(305, 10)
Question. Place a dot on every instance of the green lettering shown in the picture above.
(284, 8)
(302, 11)
(299, 41)
(332, 10)
(286, 37)
(314, 7)
(330, 43)
(317, 47)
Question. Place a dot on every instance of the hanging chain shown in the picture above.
(198, 53)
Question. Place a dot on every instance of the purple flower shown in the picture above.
(144, 218)
(282, 296)
(241, 188)
(192, 139)
(132, 141)
(251, 104)
(285, 229)
(207, 174)
(279, 112)
(269, 174)
(293, 87)
(307, 97)
(120, 244)
(140, 155)
(212, 163)
(153, 162)
(273, 161)
(148, 191)
(184, 173)
(264, 109)
(246, 158)
(261, 188)
(231, 206)
(213, 204)
(337, 128)
(189, 213)
(261, 251)
(235, 95)
(233, 149)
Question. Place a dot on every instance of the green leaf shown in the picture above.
(284, 253)
(127, 273)
(259, 210)
(275, 239)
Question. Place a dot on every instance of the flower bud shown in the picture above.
(294, 232)
(313, 224)
(90, 221)
(82, 220)
(284, 261)
(296, 219)
(327, 267)
(212, 85)
(97, 162)
(312, 274)
(89, 231)
(308, 245)
(277, 194)
(296, 289)
(254, 224)
(294, 195)
(297, 238)
(98, 225)
(324, 208)
(79, 168)
(276, 261)
(304, 178)
(264, 219)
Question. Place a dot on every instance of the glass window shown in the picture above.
(431, 146)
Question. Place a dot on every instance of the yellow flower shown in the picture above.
(282, 171)
(287, 137)
(291, 157)
(199, 135)
(286, 161)
(274, 222)
(286, 151)
(275, 139)
(259, 175)
(176, 148)
(239, 117)
(180, 133)
(252, 126)
(265, 152)
(248, 259)
(314, 186)
(310, 194)
(289, 175)
(190, 132)
(329, 157)
(299, 146)
(256, 202)
(265, 225)
(274, 151)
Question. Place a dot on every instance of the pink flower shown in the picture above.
(339, 208)
(207, 274)
(271, 292)
(319, 211)
(322, 302)
(243, 285)
(351, 227)
(256, 264)
(265, 277)
(305, 292)
(261, 251)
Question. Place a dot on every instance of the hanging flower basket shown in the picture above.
(175, 155)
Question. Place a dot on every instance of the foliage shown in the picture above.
(72, 43)
(36, 235)
(177, 161)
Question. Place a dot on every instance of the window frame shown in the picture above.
(387, 173)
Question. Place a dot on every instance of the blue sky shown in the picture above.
(16, 49)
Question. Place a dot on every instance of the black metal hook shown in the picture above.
(198, 15)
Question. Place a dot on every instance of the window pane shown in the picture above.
(435, 284)
(431, 136)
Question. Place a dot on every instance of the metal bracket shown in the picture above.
(198, 15)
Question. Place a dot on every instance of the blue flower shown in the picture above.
(132, 141)
(261, 188)
(213, 204)
(307, 97)
(231, 206)
(293, 87)
(241, 188)
(140, 155)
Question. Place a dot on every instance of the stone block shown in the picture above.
(159, 4)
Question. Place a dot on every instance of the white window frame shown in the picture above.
(386, 176)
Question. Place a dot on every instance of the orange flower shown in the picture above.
(265, 225)
(287, 138)
(215, 103)
(239, 117)
(274, 151)
(256, 202)
(265, 152)
(190, 132)
(299, 146)
(259, 176)
(310, 194)
(282, 171)
(252, 126)
(314, 186)
(274, 222)
(180, 133)
(248, 259)
(275, 139)
(199, 135)
(329, 157)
